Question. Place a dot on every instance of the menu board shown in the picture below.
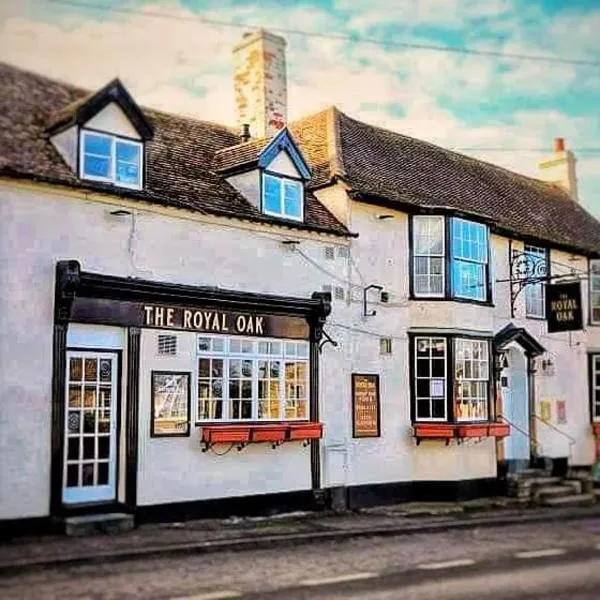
(365, 405)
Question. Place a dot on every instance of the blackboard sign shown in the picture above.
(563, 307)
(365, 405)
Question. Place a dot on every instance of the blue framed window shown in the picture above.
(469, 245)
(111, 159)
(283, 197)
(535, 292)
(450, 258)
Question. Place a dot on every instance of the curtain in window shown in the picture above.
(595, 291)
(428, 251)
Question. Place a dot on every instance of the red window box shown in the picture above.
(269, 433)
(596, 430)
(305, 431)
(472, 430)
(438, 431)
(499, 430)
(226, 434)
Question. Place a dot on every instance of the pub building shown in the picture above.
(204, 321)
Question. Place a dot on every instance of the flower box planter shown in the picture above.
(305, 431)
(596, 430)
(433, 431)
(472, 430)
(226, 434)
(499, 430)
(269, 433)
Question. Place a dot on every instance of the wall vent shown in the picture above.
(327, 288)
(329, 252)
(339, 292)
(342, 252)
(167, 344)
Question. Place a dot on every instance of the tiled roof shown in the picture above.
(381, 166)
(178, 157)
(238, 156)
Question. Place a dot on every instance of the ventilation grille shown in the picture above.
(167, 345)
(339, 292)
(342, 252)
(327, 288)
(385, 345)
(329, 252)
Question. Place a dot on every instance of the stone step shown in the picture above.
(571, 500)
(554, 491)
(101, 523)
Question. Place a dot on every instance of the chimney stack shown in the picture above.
(260, 83)
(559, 168)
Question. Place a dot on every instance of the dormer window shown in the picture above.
(283, 197)
(111, 159)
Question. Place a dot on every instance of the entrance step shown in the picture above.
(102, 523)
(570, 500)
(555, 491)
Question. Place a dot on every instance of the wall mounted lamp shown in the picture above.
(366, 313)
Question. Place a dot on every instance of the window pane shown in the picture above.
(96, 166)
(428, 235)
(595, 290)
(128, 163)
(99, 145)
(472, 373)
(292, 199)
(272, 194)
(468, 279)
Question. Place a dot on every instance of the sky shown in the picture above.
(170, 59)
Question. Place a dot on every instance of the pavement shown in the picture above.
(239, 534)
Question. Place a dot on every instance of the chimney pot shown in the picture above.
(245, 132)
(559, 144)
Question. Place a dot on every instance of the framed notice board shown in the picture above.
(366, 421)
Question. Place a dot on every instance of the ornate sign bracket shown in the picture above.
(525, 269)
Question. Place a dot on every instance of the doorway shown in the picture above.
(90, 426)
(515, 408)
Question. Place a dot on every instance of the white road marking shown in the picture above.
(222, 595)
(461, 562)
(339, 578)
(540, 553)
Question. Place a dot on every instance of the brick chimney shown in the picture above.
(559, 168)
(260, 83)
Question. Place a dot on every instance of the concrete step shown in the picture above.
(101, 523)
(571, 500)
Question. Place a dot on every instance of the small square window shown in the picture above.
(385, 345)
(283, 197)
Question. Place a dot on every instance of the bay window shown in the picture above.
(252, 379)
(466, 259)
(595, 292)
(595, 386)
(450, 367)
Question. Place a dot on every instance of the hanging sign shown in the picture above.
(365, 406)
(563, 307)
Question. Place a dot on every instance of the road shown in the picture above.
(552, 560)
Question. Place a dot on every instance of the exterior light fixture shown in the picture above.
(366, 313)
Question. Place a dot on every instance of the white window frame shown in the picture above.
(282, 181)
(114, 139)
(594, 282)
(595, 360)
(542, 253)
(417, 398)
(484, 266)
(482, 362)
(442, 256)
(285, 356)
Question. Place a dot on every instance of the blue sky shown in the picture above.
(455, 100)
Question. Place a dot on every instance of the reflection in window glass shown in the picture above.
(471, 372)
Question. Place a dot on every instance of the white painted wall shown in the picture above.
(112, 119)
(248, 184)
(40, 225)
(65, 143)
(283, 164)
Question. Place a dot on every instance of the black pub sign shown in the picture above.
(563, 307)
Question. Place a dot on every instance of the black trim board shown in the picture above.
(131, 416)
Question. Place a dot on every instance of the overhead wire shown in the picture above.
(354, 39)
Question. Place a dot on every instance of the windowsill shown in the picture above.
(109, 183)
(247, 433)
(534, 318)
(486, 303)
(448, 431)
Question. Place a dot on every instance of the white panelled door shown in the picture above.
(90, 427)
(515, 406)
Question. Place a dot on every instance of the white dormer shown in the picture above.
(271, 177)
(102, 137)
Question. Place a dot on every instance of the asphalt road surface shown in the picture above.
(554, 560)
